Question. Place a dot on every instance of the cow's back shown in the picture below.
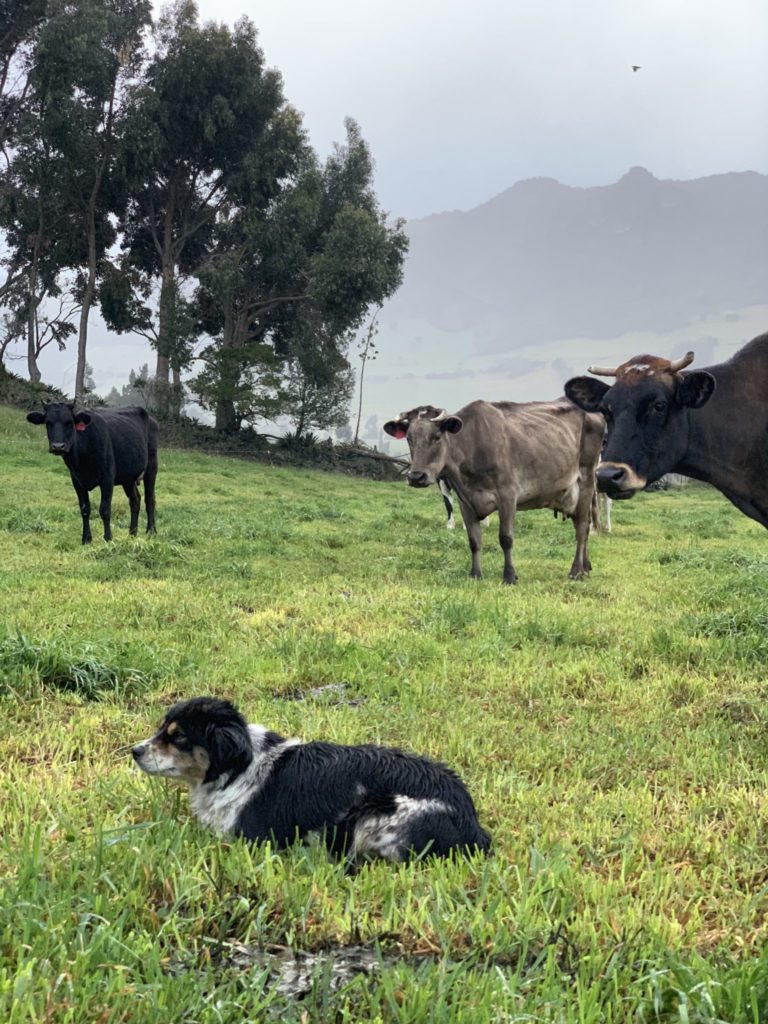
(522, 437)
(133, 434)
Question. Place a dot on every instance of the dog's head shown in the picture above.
(197, 741)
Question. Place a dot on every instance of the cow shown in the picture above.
(447, 493)
(101, 449)
(710, 424)
(507, 456)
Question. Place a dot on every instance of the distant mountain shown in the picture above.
(544, 261)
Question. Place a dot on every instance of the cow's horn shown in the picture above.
(440, 416)
(681, 363)
(603, 371)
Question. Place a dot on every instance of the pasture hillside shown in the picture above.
(612, 732)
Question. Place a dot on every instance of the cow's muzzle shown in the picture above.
(418, 478)
(618, 480)
(58, 448)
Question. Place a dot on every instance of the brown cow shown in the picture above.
(508, 456)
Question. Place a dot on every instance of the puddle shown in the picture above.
(294, 972)
(337, 692)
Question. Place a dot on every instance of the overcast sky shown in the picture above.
(460, 99)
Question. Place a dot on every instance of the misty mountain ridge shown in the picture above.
(543, 261)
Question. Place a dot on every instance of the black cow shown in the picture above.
(101, 449)
(711, 424)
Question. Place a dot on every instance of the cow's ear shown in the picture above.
(396, 428)
(37, 418)
(83, 417)
(586, 392)
(696, 389)
(452, 424)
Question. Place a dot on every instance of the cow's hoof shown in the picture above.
(510, 581)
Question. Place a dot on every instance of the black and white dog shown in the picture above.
(365, 801)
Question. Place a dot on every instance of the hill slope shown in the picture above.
(612, 733)
(551, 261)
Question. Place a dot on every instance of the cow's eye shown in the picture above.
(660, 406)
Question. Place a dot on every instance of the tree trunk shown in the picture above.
(227, 418)
(360, 402)
(34, 371)
(163, 403)
(166, 311)
(85, 309)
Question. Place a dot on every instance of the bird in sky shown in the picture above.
(636, 67)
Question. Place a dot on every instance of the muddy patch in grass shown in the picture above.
(331, 693)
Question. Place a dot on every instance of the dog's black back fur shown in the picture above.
(324, 786)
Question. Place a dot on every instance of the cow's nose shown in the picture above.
(138, 751)
(57, 446)
(417, 478)
(610, 478)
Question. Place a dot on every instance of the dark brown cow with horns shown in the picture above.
(710, 424)
(508, 456)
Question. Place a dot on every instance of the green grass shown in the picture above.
(613, 733)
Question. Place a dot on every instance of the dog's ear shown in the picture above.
(229, 750)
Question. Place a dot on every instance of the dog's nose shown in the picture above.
(138, 751)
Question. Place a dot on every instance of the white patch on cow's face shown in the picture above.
(640, 367)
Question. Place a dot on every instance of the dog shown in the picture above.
(363, 801)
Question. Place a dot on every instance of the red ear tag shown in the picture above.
(399, 434)
(80, 426)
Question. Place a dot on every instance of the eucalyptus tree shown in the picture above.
(60, 196)
(86, 55)
(281, 290)
(203, 120)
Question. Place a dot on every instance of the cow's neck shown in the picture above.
(454, 477)
(720, 437)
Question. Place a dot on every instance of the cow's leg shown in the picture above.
(134, 499)
(85, 510)
(475, 538)
(105, 508)
(448, 502)
(594, 523)
(149, 492)
(582, 518)
(507, 511)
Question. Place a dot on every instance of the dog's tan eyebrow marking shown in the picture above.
(172, 728)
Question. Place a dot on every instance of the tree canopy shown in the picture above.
(173, 185)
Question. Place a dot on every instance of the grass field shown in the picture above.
(612, 732)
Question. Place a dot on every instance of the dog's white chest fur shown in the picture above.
(218, 805)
